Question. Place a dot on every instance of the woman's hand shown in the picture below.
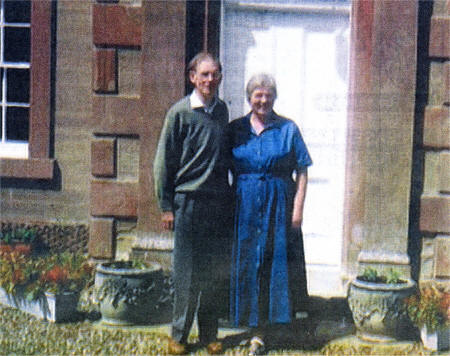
(299, 199)
(297, 220)
(167, 220)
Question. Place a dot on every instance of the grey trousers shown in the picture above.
(201, 258)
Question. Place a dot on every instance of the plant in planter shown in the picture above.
(36, 285)
(62, 273)
(16, 271)
(130, 292)
(377, 304)
(429, 310)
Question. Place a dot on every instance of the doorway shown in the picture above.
(305, 45)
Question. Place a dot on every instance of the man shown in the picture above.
(190, 174)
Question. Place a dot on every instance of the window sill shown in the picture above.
(32, 168)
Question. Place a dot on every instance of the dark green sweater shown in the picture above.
(192, 153)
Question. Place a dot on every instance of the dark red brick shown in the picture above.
(103, 157)
(109, 198)
(434, 213)
(101, 238)
(104, 71)
(117, 25)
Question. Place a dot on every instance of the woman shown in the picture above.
(268, 280)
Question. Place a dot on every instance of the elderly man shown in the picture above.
(190, 174)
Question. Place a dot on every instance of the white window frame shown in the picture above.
(10, 148)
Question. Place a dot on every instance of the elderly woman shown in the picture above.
(268, 280)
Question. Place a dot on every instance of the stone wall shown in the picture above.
(64, 200)
(58, 238)
(435, 199)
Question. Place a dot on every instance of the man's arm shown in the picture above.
(164, 169)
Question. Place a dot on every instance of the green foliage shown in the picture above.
(131, 264)
(429, 307)
(393, 277)
(51, 273)
(22, 235)
(370, 274)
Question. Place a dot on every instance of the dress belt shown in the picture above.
(261, 176)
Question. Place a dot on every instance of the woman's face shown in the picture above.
(261, 101)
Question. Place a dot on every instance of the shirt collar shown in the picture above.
(270, 122)
(197, 103)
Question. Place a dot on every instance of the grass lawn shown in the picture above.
(21, 334)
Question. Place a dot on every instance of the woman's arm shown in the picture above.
(299, 199)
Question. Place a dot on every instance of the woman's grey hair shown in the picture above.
(261, 80)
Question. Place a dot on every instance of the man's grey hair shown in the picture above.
(200, 57)
(261, 80)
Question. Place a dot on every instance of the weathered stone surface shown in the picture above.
(129, 62)
(437, 94)
(104, 75)
(427, 259)
(101, 238)
(431, 182)
(434, 213)
(378, 309)
(110, 198)
(128, 159)
(444, 172)
(117, 25)
(446, 88)
(437, 127)
(442, 266)
(41, 168)
(116, 115)
(439, 37)
(164, 36)
(103, 157)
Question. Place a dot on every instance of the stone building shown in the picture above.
(98, 76)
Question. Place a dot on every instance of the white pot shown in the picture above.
(51, 307)
(437, 340)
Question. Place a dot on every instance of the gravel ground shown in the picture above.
(22, 334)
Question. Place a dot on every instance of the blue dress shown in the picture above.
(268, 278)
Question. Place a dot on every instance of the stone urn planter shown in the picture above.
(129, 295)
(379, 310)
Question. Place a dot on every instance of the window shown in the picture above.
(15, 17)
(25, 88)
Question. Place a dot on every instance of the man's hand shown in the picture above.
(167, 219)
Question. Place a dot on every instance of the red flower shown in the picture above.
(23, 249)
(4, 248)
(18, 276)
(56, 275)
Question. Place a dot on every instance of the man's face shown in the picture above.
(206, 78)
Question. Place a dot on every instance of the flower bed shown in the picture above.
(429, 309)
(46, 286)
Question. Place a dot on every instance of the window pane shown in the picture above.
(17, 11)
(17, 124)
(18, 85)
(17, 44)
(1, 81)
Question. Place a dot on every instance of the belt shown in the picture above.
(261, 176)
